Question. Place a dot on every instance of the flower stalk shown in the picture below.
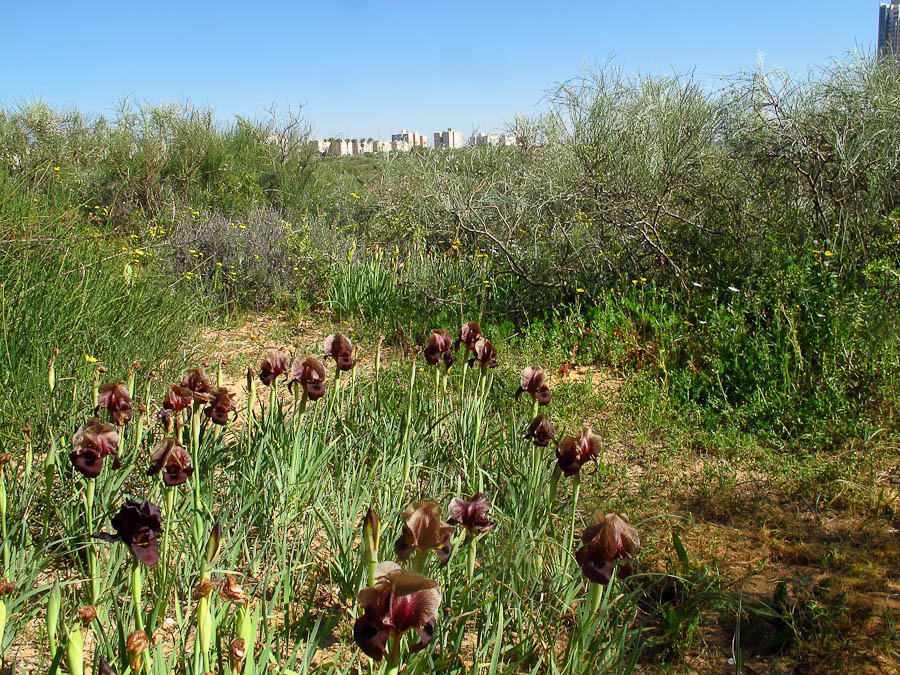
(575, 494)
(407, 423)
(89, 489)
(594, 598)
(4, 460)
(471, 552)
(75, 650)
(52, 617)
(136, 590)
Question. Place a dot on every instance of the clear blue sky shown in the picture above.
(367, 69)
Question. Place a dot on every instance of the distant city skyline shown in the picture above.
(361, 71)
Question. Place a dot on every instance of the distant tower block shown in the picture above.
(450, 138)
(889, 28)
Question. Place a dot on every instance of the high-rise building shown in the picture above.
(412, 138)
(452, 138)
(889, 28)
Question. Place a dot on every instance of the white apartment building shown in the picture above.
(451, 138)
(484, 139)
(320, 147)
(381, 146)
(411, 138)
(340, 147)
(361, 146)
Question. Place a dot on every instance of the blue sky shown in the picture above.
(367, 69)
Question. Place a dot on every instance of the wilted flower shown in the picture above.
(485, 354)
(533, 381)
(469, 334)
(198, 382)
(165, 419)
(237, 652)
(541, 431)
(423, 531)
(275, 363)
(135, 645)
(398, 602)
(575, 451)
(87, 615)
(138, 525)
(232, 591)
(339, 347)
(309, 371)
(220, 405)
(609, 539)
(177, 398)
(5, 458)
(439, 346)
(172, 459)
(103, 668)
(6, 587)
(115, 398)
(472, 514)
(91, 444)
(203, 588)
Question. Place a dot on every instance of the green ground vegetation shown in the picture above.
(711, 279)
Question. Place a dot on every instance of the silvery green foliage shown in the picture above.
(249, 255)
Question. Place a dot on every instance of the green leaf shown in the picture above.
(680, 550)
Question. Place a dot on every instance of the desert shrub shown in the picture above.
(257, 259)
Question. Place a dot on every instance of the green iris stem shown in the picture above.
(554, 486)
(195, 430)
(394, 656)
(437, 388)
(479, 388)
(89, 489)
(407, 423)
(462, 386)
(29, 459)
(575, 492)
(377, 376)
(251, 404)
(334, 394)
(535, 407)
(204, 631)
(129, 382)
(470, 557)
(2, 620)
(418, 560)
(195, 477)
(3, 531)
(95, 390)
(371, 565)
(138, 434)
(594, 598)
(198, 517)
(295, 456)
(273, 399)
(204, 625)
(170, 522)
(136, 587)
(371, 548)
